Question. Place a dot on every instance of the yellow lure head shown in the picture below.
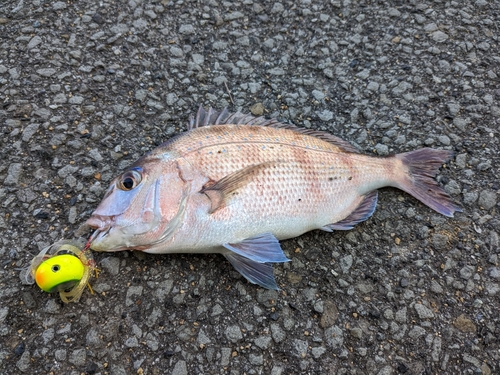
(59, 273)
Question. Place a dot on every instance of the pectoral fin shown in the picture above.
(252, 258)
(360, 214)
(222, 191)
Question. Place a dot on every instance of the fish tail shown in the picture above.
(421, 168)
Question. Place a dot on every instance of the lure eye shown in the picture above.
(129, 180)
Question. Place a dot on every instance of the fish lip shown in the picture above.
(100, 223)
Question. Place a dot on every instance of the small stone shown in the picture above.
(386, 370)
(416, 332)
(76, 99)
(13, 174)
(372, 86)
(325, 115)
(346, 263)
(133, 291)
(436, 287)
(318, 95)
(439, 241)
(400, 315)
(300, 348)
(466, 272)
(132, 342)
(20, 348)
(464, 324)
(72, 215)
(330, 314)
(24, 362)
(29, 131)
(78, 357)
(334, 337)
(317, 352)
(60, 354)
(453, 108)
(180, 368)
(494, 273)
(35, 41)
(111, 265)
(277, 333)
(356, 333)
(186, 29)
(382, 149)
(46, 72)
(439, 36)
(362, 351)
(59, 5)
(487, 199)
(263, 342)
(257, 109)
(423, 311)
(233, 333)
(256, 360)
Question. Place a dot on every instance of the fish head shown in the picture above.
(141, 208)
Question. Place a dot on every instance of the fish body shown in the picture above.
(235, 185)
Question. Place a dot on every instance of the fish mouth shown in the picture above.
(102, 226)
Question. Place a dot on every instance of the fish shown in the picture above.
(236, 185)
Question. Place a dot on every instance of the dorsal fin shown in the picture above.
(212, 117)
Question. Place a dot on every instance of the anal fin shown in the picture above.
(360, 214)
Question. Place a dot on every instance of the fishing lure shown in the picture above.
(63, 267)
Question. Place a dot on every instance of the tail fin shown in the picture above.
(423, 166)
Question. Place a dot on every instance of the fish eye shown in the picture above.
(129, 180)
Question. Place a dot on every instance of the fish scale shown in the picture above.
(234, 184)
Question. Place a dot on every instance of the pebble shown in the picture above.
(263, 342)
(439, 36)
(334, 337)
(440, 241)
(423, 311)
(180, 368)
(111, 265)
(487, 199)
(300, 348)
(464, 324)
(30, 131)
(257, 109)
(23, 364)
(34, 42)
(346, 263)
(381, 149)
(13, 174)
(325, 115)
(78, 357)
(277, 333)
(233, 333)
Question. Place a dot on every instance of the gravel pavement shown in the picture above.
(86, 87)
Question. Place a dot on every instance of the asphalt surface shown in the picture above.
(88, 87)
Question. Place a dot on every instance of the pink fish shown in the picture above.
(235, 185)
